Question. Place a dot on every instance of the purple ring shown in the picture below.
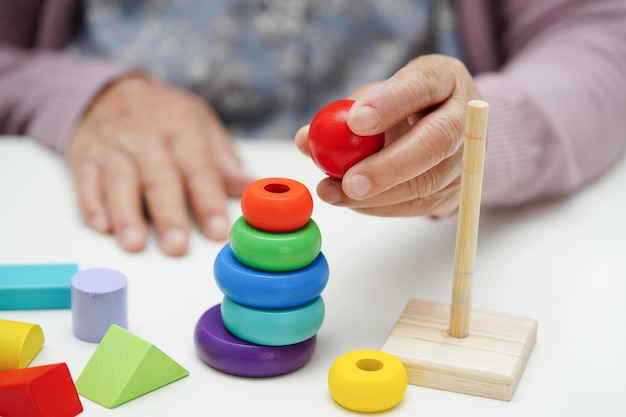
(221, 350)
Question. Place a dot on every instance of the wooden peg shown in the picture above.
(469, 213)
(484, 358)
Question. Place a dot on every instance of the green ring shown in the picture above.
(275, 252)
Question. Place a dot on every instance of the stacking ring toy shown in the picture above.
(275, 251)
(277, 204)
(367, 380)
(262, 289)
(273, 327)
(224, 352)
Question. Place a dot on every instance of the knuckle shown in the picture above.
(199, 169)
(421, 81)
(196, 161)
(83, 162)
(433, 75)
(455, 63)
(424, 185)
(424, 206)
(131, 137)
(118, 170)
(417, 207)
(117, 177)
(191, 111)
(160, 178)
(443, 135)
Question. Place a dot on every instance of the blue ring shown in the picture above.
(263, 289)
(273, 327)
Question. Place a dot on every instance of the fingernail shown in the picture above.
(99, 222)
(364, 118)
(132, 238)
(217, 228)
(174, 240)
(357, 186)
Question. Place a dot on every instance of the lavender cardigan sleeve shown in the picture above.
(558, 103)
(44, 92)
(552, 70)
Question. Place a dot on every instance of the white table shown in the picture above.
(562, 262)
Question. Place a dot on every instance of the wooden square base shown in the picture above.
(488, 363)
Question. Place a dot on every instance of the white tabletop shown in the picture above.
(562, 263)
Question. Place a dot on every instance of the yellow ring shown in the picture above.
(367, 380)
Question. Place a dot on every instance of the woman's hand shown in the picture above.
(421, 109)
(144, 149)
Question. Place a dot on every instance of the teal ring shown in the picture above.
(275, 252)
(276, 327)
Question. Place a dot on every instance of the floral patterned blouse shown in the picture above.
(267, 66)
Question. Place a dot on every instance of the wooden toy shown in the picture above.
(487, 356)
(367, 381)
(40, 391)
(19, 344)
(32, 287)
(221, 350)
(272, 274)
(272, 290)
(277, 204)
(273, 327)
(124, 367)
(333, 146)
(271, 251)
(99, 299)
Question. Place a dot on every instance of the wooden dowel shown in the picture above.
(469, 211)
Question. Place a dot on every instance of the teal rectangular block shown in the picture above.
(34, 287)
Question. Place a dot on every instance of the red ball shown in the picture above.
(333, 146)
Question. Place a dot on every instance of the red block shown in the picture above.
(39, 391)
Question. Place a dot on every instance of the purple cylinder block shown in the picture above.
(99, 299)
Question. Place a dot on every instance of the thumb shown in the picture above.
(426, 81)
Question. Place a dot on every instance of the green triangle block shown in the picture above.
(124, 367)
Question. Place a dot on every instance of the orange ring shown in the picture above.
(277, 205)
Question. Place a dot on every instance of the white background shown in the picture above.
(561, 262)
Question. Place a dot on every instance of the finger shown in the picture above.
(211, 169)
(440, 204)
(423, 186)
(302, 140)
(89, 189)
(164, 195)
(431, 140)
(227, 160)
(424, 82)
(122, 193)
(205, 184)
